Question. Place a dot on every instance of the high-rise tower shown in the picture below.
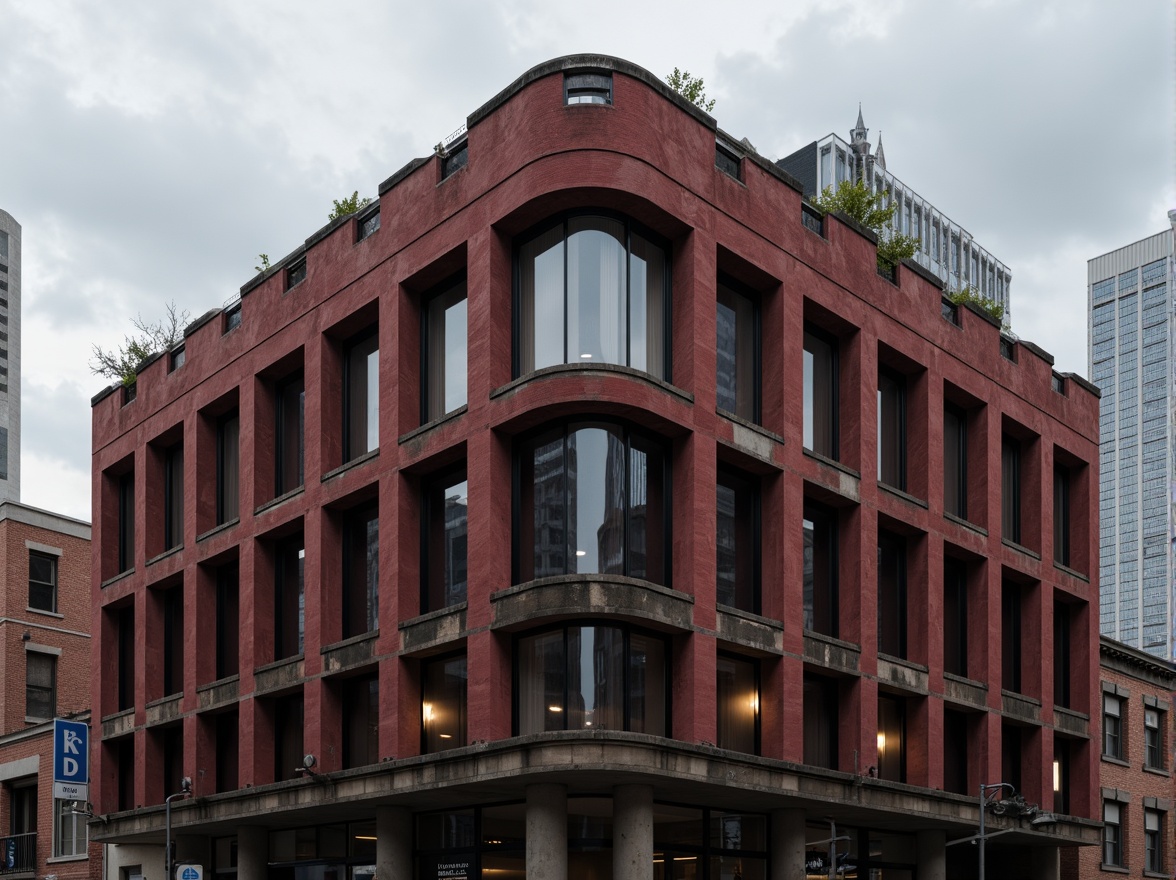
(9, 358)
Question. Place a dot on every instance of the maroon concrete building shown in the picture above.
(590, 506)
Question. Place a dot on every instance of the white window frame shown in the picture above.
(63, 813)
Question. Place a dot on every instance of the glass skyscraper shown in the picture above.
(1131, 299)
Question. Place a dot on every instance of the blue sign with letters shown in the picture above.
(71, 759)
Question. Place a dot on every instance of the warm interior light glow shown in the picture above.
(555, 708)
(881, 741)
(427, 712)
(754, 703)
(446, 735)
(364, 837)
(581, 552)
(1057, 767)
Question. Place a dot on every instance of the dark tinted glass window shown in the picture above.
(737, 542)
(820, 394)
(737, 354)
(446, 539)
(361, 571)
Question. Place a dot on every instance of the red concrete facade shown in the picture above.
(648, 157)
(54, 624)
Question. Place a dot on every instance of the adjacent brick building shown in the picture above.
(46, 672)
(590, 506)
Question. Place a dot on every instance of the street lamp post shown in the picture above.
(995, 788)
(186, 792)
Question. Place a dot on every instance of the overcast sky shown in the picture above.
(151, 150)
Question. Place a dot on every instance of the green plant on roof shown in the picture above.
(856, 200)
(123, 363)
(971, 296)
(691, 88)
(346, 206)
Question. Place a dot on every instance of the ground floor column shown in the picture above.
(632, 832)
(787, 848)
(932, 854)
(1046, 864)
(393, 843)
(252, 853)
(547, 831)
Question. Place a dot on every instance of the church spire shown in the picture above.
(879, 156)
(858, 134)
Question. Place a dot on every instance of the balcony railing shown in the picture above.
(18, 854)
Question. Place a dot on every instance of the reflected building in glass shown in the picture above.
(1132, 347)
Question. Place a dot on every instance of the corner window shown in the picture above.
(737, 352)
(289, 597)
(892, 463)
(737, 540)
(955, 461)
(40, 685)
(290, 417)
(737, 698)
(1010, 486)
(443, 704)
(42, 581)
(592, 289)
(71, 836)
(892, 594)
(361, 571)
(820, 569)
(592, 678)
(1113, 834)
(228, 468)
(588, 88)
(361, 396)
(173, 497)
(445, 538)
(1153, 738)
(1112, 727)
(445, 333)
(820, 393)
(592, 499)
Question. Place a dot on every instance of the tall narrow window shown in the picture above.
(1061, 518)
(290, 419)
(40, 685)
(1153, 738)
(737, 352)
(955, 461)
(821, 721)
(737, 702)
(955, 752)
(446, 572)
(173, 497)
(892, 598)
(228, 468)
(228, 620)
(1112, 727)
(361, 721)
(70, 832)
(1113, 834)
(892, 429)
(1153, 841)
(592, 499)
(1010, 485)
(591, 290)
(445, 335)
(955, 617)
(361, 396)
(42, 581)
(289, 597)
(1061, 654)
(1012, 756)
(820, 569)
(443, 704)
(288, 726)
(173, 640)
(126, 522)
(891, 739)
(1010, 594)
(820, 394)
(126, 658)
(737, 541)
(361, 571)
(227, 741)
(1061, 775)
